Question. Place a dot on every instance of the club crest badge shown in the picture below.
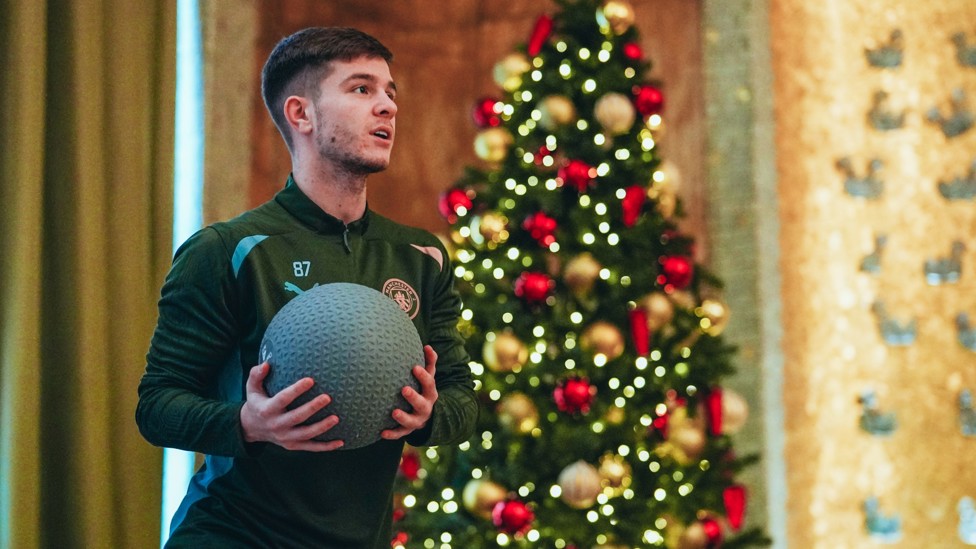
(404, 296)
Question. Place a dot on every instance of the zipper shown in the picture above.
(345, 239)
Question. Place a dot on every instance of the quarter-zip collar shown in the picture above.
(295, 202)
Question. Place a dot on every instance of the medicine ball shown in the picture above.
(357, 344)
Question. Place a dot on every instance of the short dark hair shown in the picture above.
(299, 62)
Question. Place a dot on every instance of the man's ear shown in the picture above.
(298, 114)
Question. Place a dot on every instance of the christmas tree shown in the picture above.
(594, 336)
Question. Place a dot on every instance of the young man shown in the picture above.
(266, 482)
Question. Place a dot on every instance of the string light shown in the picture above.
(584, 54)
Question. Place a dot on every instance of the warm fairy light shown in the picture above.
(597, 427)
(647, 143)
(555, 491)
(565, 70)
(621, 194)
(540, 347)
(464, 446)
(495, 394)
(551, 184)
(432, 507)
(604, 272)
(523, 130)
(629, 72)
(607, 510)
(446, 537)
(653, 466)
(599, 139)
(592, 516)
(570, 342)
(646, 421)
(538, 331)
(554, 247)
(467, 314)
(479, 288)
(477, 473)
(685, 489)
(498, 273)
(560, 46)
(654, 121)
(603, 56)
(464, 231)
(537, 75)
(524, 491)
(570, 364)
(588, 238)
(502, 539)
(681, 369)
(652, 536)
(629, 392)
(621, 154)
(507, 318)
(656, 355)
(510, 183)
(603, 169)
(613, 239)
(660, 371)
(509, 203)
(613, 383)
(600, 208)
(660, 494)
(623, 450)
(685, 352)
(589, 85)
(582, 124)
(535, 358)
(533, 535)
(605, 228)
(584, 201)
(521, 189)
(526, 96)
(600, 360)
(640, 363)
(537, 62)
(576, 317)
(508, 110)
(584, 54)
(409, 500)
(486, 263)
(620, 402)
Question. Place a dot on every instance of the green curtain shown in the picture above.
(86, 141)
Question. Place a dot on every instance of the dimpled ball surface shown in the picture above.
(357, 344)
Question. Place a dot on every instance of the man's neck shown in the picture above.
(340, 195)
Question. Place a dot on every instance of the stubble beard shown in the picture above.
(351, 168)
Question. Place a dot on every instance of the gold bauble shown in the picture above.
(491, 145)
(693, 537)
(506, 353)
(480, 496)
(659, 310)
(615, 112)
(615, 472)
(617, 15)
(717, 313)
(494, 227)
(615, 415)
(663, 188)
(581, 273)
(735, 411)
(580, 483)
(508, 72)
(684, 299)
(518, 412)
(689, 443)
(557, 111)
(604, 338)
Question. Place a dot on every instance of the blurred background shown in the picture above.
(826, 167)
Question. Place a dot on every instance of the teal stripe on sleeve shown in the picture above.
(243, 248)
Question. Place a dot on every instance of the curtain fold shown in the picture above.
(85, 239)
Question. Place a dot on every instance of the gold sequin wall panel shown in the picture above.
(875, 157)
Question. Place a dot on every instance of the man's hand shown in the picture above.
(422, 402)
(268, 419)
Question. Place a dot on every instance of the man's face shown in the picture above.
(355, 116)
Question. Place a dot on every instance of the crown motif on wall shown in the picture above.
(881, 117)
(958, 121)
(881, 527)
(964, 332)
(960, 187)
(894, 332)
(945, 270)
(862, 186)
(871, 263)
(965, 54)
(873, 420)
(887, 55)
(967, 415)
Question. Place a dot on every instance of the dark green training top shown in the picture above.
(226, 283)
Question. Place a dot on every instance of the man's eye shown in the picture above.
(361, 89)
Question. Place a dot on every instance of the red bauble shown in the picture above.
(410, 465)
(713, 533)
(632, 203)
(577, 174)
(734, 498)
(574, 395)
(660, 424)
(648, 100)
(512, 516)
(541, 227)
(676, 271)
(713, 407)
(401, 538)
(639, 331)
(486, 113)
(454, 202)
(632, 51)
(533, 287)
(540, 33)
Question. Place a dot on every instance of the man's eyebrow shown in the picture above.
(369, 78)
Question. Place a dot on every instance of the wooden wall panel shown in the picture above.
(443, 59)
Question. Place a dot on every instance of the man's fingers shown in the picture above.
(428, 386)
(430, 357)
(288, 395)
(307, 410)
(255, 378)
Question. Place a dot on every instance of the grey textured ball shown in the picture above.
(357, 344)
